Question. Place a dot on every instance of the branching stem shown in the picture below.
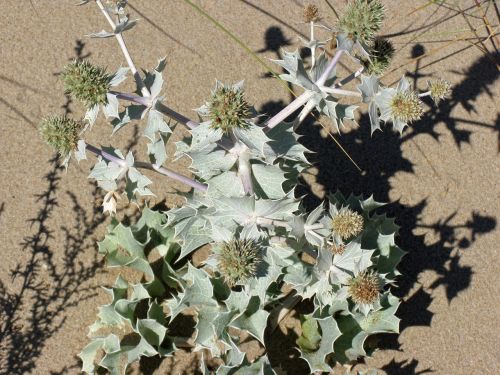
(140, 83)
(138, 164)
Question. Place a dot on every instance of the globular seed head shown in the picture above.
(62, 133)
(311, 13)
(347, 223)
(362, 19)
(228, 109)
(237, 260)
(86, 82)
(381, 54)
(439, 89)
(364, 288)
(406, 106)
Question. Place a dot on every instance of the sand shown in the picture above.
(440, 176)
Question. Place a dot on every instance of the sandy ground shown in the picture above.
(441, 176)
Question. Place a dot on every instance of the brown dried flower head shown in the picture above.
(364, 288)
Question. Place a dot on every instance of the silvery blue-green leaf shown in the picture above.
(297, 73)
(132, 112)
(373, 114)
(383, 100)
(403, 84)
(226, 183)
(390, 254)
(356, 328)
(140, 182)
(344, 43)
(129, 159)
(106, 172)
(119, 77)
(101, 34)
(254, 320)
(279, 209)
(253, 137)
(124, 25)
(329, 333)
(345, 112)
(212, 321)
(91, 114)
(369, 87)
(198, 292)
(269, 179)
(155, 124)
(353, 260)
(284, 143)
(109, 343)
(107, 315)
(157, 151)
(207, 164)
(80, 150)
(197, 236)
(111, 108)
(156, 87)
(237, 301)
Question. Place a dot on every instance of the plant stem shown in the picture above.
(333, 90)
(289, 109)
(427, 93)
(174, 175)
(139, 164)
(304, 97)
(321, 81)
(349, 78)
(126, 54)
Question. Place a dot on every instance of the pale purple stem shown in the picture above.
(139, 164)
(106, 155)
(174, 175)
(305, 96)
(289, 109)
(321, 81)
(349, 78)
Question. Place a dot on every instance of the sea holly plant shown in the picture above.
(266, 252)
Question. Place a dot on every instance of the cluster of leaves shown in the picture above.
(341, 258)
(224, 303)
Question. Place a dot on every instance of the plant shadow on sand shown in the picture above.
(382, 156)
(52, 279)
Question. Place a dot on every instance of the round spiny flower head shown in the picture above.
(237, 260)
(364, 288)
(86, 82)
(406, 106)
(439, 89)
(362, 19)
(62, 133)
(381, 55)
(347, 223)
(311, 13)
(337, 249)
(228, 109)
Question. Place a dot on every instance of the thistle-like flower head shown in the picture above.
(62, 133)
(228, 109)
(406, 106)
(86, 82)
(362, 19)
(439, 89)
(347, 223)
(237, 260)
(381, 54)
(364, 288)
(311, 13)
